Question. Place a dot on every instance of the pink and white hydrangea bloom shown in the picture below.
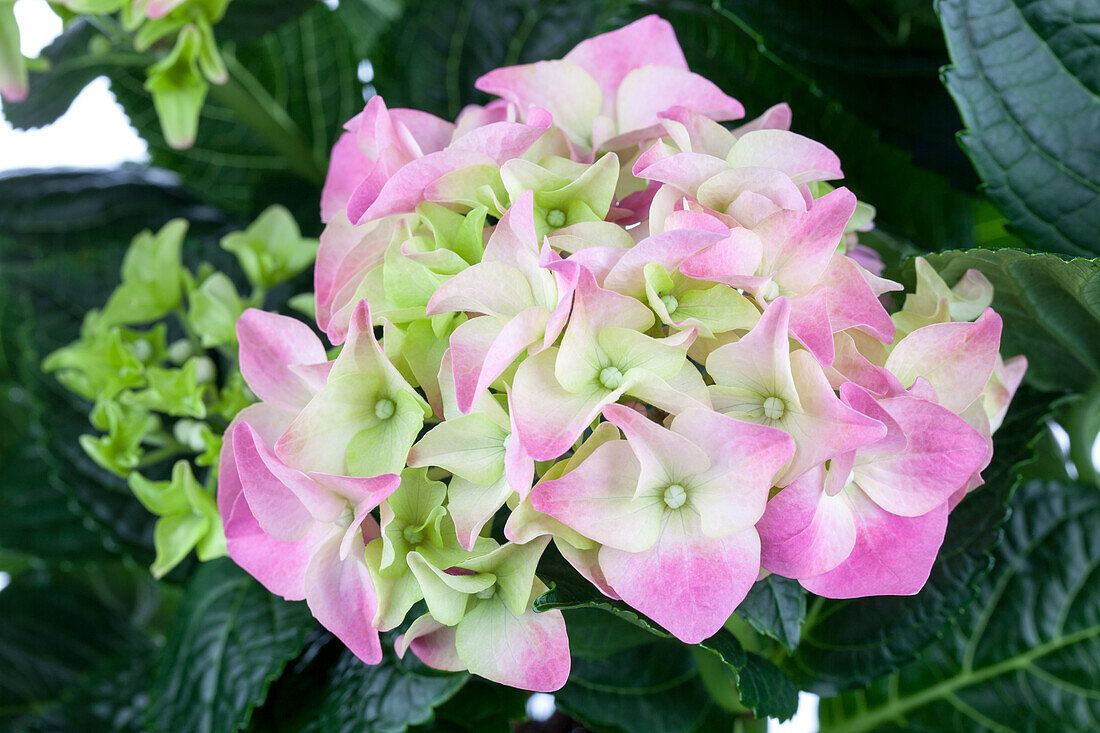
(589, 313)
(674, 510)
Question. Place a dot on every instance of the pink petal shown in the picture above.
(650, 90)
(892, 555)
(687, 582)
(340, 595)
(549, 419)
(482, 349)
(804, 531)
(597, 500)
(401, 192)
(956, 358)
(347, 167)
(285, 502)
(730, 496)
(270, 344)
(609, 57)
(801, 158)
(669, 249)
(936, 454)
(432, 643)
(529, 651)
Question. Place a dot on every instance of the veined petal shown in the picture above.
(529, 650)
(597, 499)
(471, 446)
(957, 359)
(609, 57)
(801, 158)
(731, 493)
(805, 532)
(471, 505)
(668, 249)
(665, 457)
(562, 88)
(647, 91)
(892, 555)
(341, 597)
(432, 643)
(270, 345)
(687, 582)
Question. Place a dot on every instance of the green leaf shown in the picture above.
(1026, 656)
(848, 643)
(480, 707)
(644, 689)
(1025, 81)
(72, 66)
(229, 640)
(74, 209)
(383, 698)
(776, 606)
(265, 135)
(63, 631)
(247, 19)
(1050, 307)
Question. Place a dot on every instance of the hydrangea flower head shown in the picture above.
(589, 313)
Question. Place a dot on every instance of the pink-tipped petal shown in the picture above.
(686, 582)
(270, 344)
(892, 555)
(341, 596)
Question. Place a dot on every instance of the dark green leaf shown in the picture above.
(229, 640)
(1050, 307)
(383, 698)
(63, 632)
(247, 19)
(776, 606)
(879, 59)
(1025, 80)
(72, 67)
(651, 688)
(1026, 656)
(480, 707)
(848, 643)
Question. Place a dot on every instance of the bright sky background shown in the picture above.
(95, 133)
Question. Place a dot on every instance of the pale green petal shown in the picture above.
(470, 446)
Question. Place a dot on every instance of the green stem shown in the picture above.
(243, 94)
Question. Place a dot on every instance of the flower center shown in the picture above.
(611, 377)
(555, 217)
(384, 408)
(507, 439)
(675, 496)
(771, 291)
(671, 304)
(774, 408)
(412, 535)
(487, 593)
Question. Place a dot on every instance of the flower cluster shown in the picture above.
(590, 314)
